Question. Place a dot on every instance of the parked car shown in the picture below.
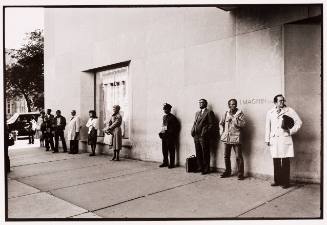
(18, 122)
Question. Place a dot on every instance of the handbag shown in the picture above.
(287, 122)
(191, 164)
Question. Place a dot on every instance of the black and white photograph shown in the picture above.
(162, 111)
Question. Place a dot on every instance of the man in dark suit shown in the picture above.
(48, 120)
(59, 127)
(169, 134)
(201, 132)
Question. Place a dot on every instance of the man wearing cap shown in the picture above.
(168, 135)
(201, 132)
(74, 126)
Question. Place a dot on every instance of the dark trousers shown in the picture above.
(31, 137)
(73, 146)
(282, 171)
(168, 146)
(60, 133)
(239, 158)
(48, 138)
(202, 153)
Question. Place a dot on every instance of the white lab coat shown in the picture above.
(281, 143)
(74, 126)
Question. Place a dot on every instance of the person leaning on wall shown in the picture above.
(281, 123)
(113, 127)
(231, 124)
(93, 126)
(168, 135)
(201, 133)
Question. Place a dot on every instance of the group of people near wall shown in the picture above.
(281, 123)
(51, 129)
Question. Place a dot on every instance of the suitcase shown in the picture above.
(191, 164)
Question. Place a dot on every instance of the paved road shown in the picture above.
(46, 185)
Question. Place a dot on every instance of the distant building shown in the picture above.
(142, 57)
(17, 104)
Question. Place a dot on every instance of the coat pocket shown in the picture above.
(224, 136)
(234, 138)
(287, 140)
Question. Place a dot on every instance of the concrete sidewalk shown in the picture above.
(46, 185)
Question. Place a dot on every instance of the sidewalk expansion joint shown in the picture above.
(93, 181)
(42, 162)
(146, 195)
(274, 198)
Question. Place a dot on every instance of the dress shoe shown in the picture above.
(285, 186)
(274, 184)
(204, 172)
(91, 154)
(224, 175)
(163, 165)
(70, 153)
(240, 177)
(170, 167)
(55, 152)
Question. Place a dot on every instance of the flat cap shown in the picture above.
(167, 106)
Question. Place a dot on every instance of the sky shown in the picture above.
(19, 21)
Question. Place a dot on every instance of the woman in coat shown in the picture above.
(113, 128)
(93, 126)
(280, 139)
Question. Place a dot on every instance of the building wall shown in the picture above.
(178, 55)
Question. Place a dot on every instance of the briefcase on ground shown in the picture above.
(191, 164)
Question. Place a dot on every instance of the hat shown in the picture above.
(167, 106)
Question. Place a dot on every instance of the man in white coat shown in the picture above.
(279, 139)
(74, 126)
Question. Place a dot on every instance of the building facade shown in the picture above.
(141, 58)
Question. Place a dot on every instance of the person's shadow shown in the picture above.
(214, 144)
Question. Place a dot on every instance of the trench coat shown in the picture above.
(74, 126)
(281, 143)
(113, 127)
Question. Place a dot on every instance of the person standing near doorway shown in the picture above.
(113, 128)
(231, 124)
(93, 126)
(281, 123)
(74, 126)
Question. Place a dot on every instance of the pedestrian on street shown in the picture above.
(31, 128)
(202, 132)
(59, 127)
(281, 123)
(93, 126)
(49, 130)
(74, 126)
(231, 124)
(168, 135)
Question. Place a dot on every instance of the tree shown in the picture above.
(24, 77)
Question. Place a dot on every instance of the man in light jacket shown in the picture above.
(279, 139)
(231, 124)
(74, 126)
